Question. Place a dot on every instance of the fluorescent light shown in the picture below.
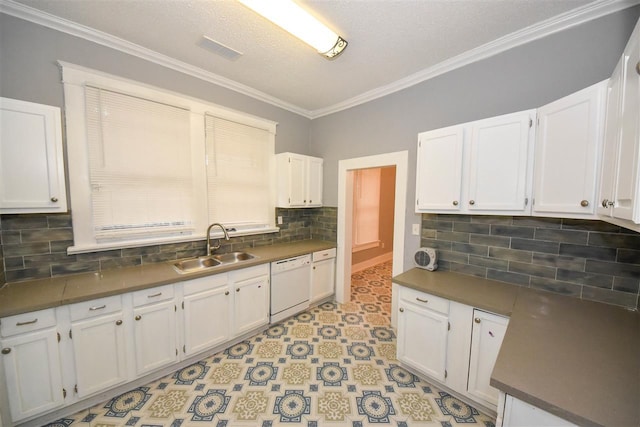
(297, 21)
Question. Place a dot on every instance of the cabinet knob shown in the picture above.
(54, 199)
(226, 293)
(138, 317)
(118, 322)
(472, 202)
(477, 320)
(455, 203)
(584, 203)
(610, 203)
(401, 310)
(237, 289)
(6, 350)
(310, 201)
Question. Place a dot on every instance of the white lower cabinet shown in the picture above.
(451, 343)
(98, 337)
(154, 315)
(517, 413)
(323, 274)
(206, 305)
(250, 299)
(31, 362)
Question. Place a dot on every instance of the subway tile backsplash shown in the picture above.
(35, 246)
(593, 260)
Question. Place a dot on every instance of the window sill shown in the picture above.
(365, 246)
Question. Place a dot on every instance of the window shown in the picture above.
(366, 209)
(148, 166)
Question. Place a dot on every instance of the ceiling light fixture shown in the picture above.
(297, 21)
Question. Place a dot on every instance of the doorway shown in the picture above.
(345, 215)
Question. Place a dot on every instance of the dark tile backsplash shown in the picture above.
(593, 260)
(35, 246)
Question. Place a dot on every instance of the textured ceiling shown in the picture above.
(388, 39)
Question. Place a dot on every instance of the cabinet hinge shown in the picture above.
(75, 388)
(526, 201)
(183, 305)
(418, 202)
(64, 393)
(70, 334)
(419, 144)
(176, 351)
(59, 338)
(448, 326)
(184, 348)
(175, 307)
(446, 374)
(530, 122)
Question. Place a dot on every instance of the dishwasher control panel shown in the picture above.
(290, 263)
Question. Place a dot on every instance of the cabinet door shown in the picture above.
(251, 304)
(626, 182)
(100, 353)
(31, 164)
(520, 414)
(611, 143)
(499, 163)
(569, 140)
(422, 340)
(322, 279)
(32, 371)
(155, 336)
(206, 319)
(297, 181)
(486, 339)
(439, 169)
(314, 181)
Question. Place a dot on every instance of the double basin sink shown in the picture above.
(203, 263)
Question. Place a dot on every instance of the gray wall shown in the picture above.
(525, 77)
(28, 71)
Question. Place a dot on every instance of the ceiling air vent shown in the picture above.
(219, 48)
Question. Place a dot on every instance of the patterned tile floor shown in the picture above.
(333, 365)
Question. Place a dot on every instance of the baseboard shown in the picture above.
(371, 262)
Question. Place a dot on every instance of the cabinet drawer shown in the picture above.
(249, 273)
(96, 307)
(204, 284)
(151, 295)
(27, 322)
(432, 302)
(326, 254)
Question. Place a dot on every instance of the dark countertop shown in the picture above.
(577, 359)
(32, 295)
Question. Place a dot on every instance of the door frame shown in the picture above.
(398, 159)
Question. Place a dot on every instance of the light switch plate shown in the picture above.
(279, 220)
(416, 229)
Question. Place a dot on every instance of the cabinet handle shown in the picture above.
(422, 300)
(154, 295)
(118, 322)
(226, 293)
(6, 350)
(455, 203)
(138, 317)
(584, 203)
(54, 199)
(472, 202)
(100, 307)
(477, 320)
(401, 310)
(30, 322)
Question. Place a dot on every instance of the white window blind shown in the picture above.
(139, 166)
(366, 208)
(239, 175)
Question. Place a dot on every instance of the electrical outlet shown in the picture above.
(416, 229)
(279, 220)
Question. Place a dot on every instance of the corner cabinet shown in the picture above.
(620, 186)
(32, 176)
(299, 180)
(482, 167)
(567, 154)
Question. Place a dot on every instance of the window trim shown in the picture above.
(74, 79)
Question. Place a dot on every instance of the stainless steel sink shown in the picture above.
(233, 257)
(192, 265)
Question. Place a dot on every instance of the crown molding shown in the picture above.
(550, 26)
(537, 31)
(48, 20)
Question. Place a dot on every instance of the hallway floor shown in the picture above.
(333, 365)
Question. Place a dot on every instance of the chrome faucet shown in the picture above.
(210, 248)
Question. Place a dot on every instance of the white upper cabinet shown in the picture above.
(299, 180)
(619, 190)
(32, 176)
(482, 167)
(568, 145)
(439, 173)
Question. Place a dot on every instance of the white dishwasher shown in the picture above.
(290, 286)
